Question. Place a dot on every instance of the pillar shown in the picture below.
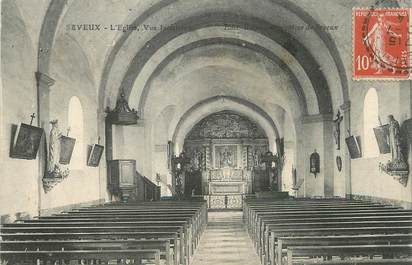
(317, 135)
(44, 82)
(346, 160)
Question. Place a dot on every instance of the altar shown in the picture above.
(224, 150)
(224, 188)
(227, 187)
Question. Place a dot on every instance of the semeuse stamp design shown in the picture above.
(381, 43)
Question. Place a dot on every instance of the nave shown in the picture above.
(225, 241)
(291, 231)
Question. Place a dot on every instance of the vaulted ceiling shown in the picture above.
(275, 54)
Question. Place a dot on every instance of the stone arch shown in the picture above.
(252, 81)
(55, 12)
(293, 8)
(299, 81)
(219, 103)
(306, 60)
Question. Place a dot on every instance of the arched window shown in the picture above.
(78, 160)
(370, 120)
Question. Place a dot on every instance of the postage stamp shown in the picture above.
(381, 43)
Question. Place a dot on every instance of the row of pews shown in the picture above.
(329, 231)
(161, 232)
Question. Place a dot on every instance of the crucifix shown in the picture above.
(336, 132)
(32, 118)
(68, 131)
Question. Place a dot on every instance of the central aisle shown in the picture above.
(225, 241)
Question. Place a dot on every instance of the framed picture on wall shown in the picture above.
(382, 136)
(95, 155)
(66, 149)
(26, 141)
(226, 156)
(353, 146)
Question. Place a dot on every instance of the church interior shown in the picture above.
(185, 132)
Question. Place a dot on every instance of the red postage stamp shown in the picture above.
(381, 43)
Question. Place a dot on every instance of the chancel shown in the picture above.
(188, 132)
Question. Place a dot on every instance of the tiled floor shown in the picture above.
(225, 242)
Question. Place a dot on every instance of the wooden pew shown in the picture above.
(169, 208)
(114, 226)
(43, 245)
(256, 204)
(331, 225)
(402, 261)
(188, 230)
(16, 257)
(195, 228)
(255, 225)
(254, 216)
(317, 215)
(159, 226)
(259, 234)
(328, 227)
(276, 234)
(380, 239)
(338, 215)
(292, 218)
(347, 251)
(198, 221)
(145, 231)
(265, 203)
(273, 220)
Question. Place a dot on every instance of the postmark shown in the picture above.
(381, 43)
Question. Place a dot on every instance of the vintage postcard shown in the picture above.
(200, 132)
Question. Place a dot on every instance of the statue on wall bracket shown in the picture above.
(397, 166)
(55, 172)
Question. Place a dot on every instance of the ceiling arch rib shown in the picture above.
(282, 6)
(146, 9)
(55, 12)
(305, 59)
(205, 78)
(226, 41)
(206, 36)
(206, 107)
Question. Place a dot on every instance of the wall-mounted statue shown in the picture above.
(54, 146)
(397, 166)
(55, 172)
(394, 138)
